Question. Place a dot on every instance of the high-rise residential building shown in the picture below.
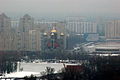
(5, 23)
(34, 40)
(100, 26)
(81, 26)
(7, 35)
(112, 29)
(26, 24)
(14, 24)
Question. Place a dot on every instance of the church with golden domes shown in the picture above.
(54, 39)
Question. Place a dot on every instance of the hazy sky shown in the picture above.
(61, 7)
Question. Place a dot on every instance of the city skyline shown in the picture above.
(27, 33)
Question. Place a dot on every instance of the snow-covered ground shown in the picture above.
(34, 69)
(21, 74)
(39, 67)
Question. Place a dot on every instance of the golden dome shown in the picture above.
(54, 30)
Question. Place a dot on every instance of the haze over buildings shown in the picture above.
(60, 8)
(60, 31)
(26, 33)
(80, 20)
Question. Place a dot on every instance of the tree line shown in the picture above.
(8, 61)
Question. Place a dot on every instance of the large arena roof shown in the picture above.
(108, 44)
(104, 47)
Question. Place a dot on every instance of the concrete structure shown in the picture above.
(7, 34)
(112, 29)
(81, 25)
(14, 23)
(26, 24)
(103, 47)
(34, 40)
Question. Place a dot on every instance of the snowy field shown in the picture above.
(39, 67)
(34, 69)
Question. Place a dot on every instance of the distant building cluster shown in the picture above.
(112, 29)
(28, 34)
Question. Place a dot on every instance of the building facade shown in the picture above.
(81, 26)
(7, 36)
(112, 29)
(26, 23)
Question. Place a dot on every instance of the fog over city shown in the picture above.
(60, 8)
(59, 40)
